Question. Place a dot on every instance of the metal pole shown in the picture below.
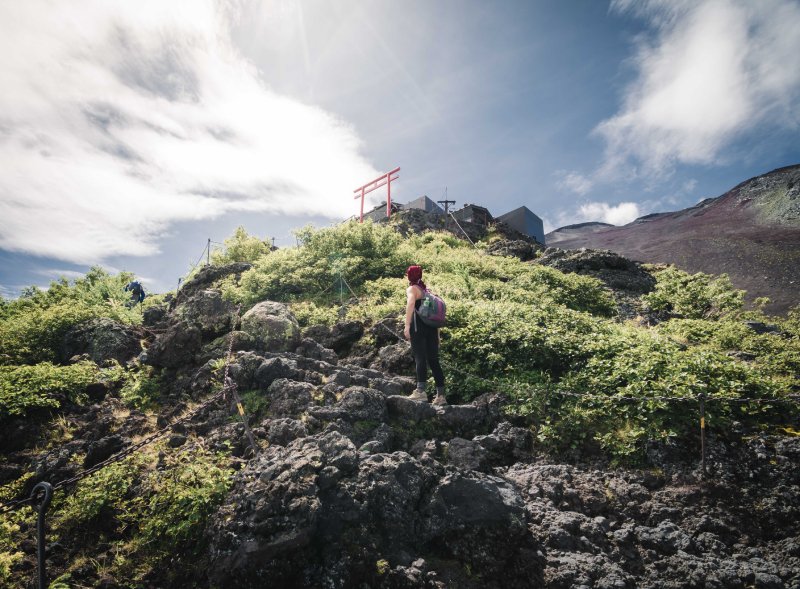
(703, 431)
(47, 489)
(208, 252)
(233, 388)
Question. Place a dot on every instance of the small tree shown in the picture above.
(241, 247)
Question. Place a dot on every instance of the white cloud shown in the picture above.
(119, 118)
(619, 214)
(573, 182)
(711, 71)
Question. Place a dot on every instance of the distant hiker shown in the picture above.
(137, 293)
(424, 339)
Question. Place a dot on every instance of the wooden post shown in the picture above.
(703, 432)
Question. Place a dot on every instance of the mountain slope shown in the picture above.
(751, 232)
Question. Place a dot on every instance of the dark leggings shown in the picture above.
(425, 345)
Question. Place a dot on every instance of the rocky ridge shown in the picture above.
(355, 485)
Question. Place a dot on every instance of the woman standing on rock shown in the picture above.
(424, 340)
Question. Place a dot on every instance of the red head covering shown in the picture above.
(414, 274)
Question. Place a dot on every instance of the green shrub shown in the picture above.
(357, 251)
(104, 494)
(694, 296)
(181, 496)
(33, 326)
(43, 386)
(141, 387)
(309, 313)
(142, 512)
(241, 247)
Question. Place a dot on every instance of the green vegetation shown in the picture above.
(240, 247)
(587, 381)
(32, 326)
(534, 333)
(25, 388)
(147, 514)
(697, 296)
(141, 387)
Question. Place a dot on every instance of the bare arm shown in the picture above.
(411, 297)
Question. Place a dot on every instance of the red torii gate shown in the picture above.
(385, 180)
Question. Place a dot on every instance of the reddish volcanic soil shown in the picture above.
(752, 233)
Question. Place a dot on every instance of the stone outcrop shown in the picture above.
(101, 340)
(317, 513)
(522, 249)
(208, 275)
(617, 272)
(273, 326)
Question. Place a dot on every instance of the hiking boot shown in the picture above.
(439, 400)
(418, 395)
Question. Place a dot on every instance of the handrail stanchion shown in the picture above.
(47, 489)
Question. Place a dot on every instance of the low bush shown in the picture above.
(33, 326)
(24, 389)
(694, 296)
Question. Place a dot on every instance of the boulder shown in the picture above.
(284, 431)
(176, 347)
(276, 368)
(340, 338)
(207, 275)
(289, 398)
(102, 340)
(311, 349)
(387, 331)
(467, 455)
(344, 335)
(363, 404)
(396, 359)
(155, 316)
(273, 326)
(506, 444)
(209, 312)
(403, 409)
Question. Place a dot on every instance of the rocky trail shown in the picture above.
(354, 485)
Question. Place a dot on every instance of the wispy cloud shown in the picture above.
(55, 273)
(118, 119)
(708, 72)
(573, 182)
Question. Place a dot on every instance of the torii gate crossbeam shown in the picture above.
(385, 180)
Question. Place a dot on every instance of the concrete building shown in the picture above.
(525, 221)
(425, 204)
(474, 214)
(379, 212)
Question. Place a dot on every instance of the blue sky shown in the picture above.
(130, 133)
